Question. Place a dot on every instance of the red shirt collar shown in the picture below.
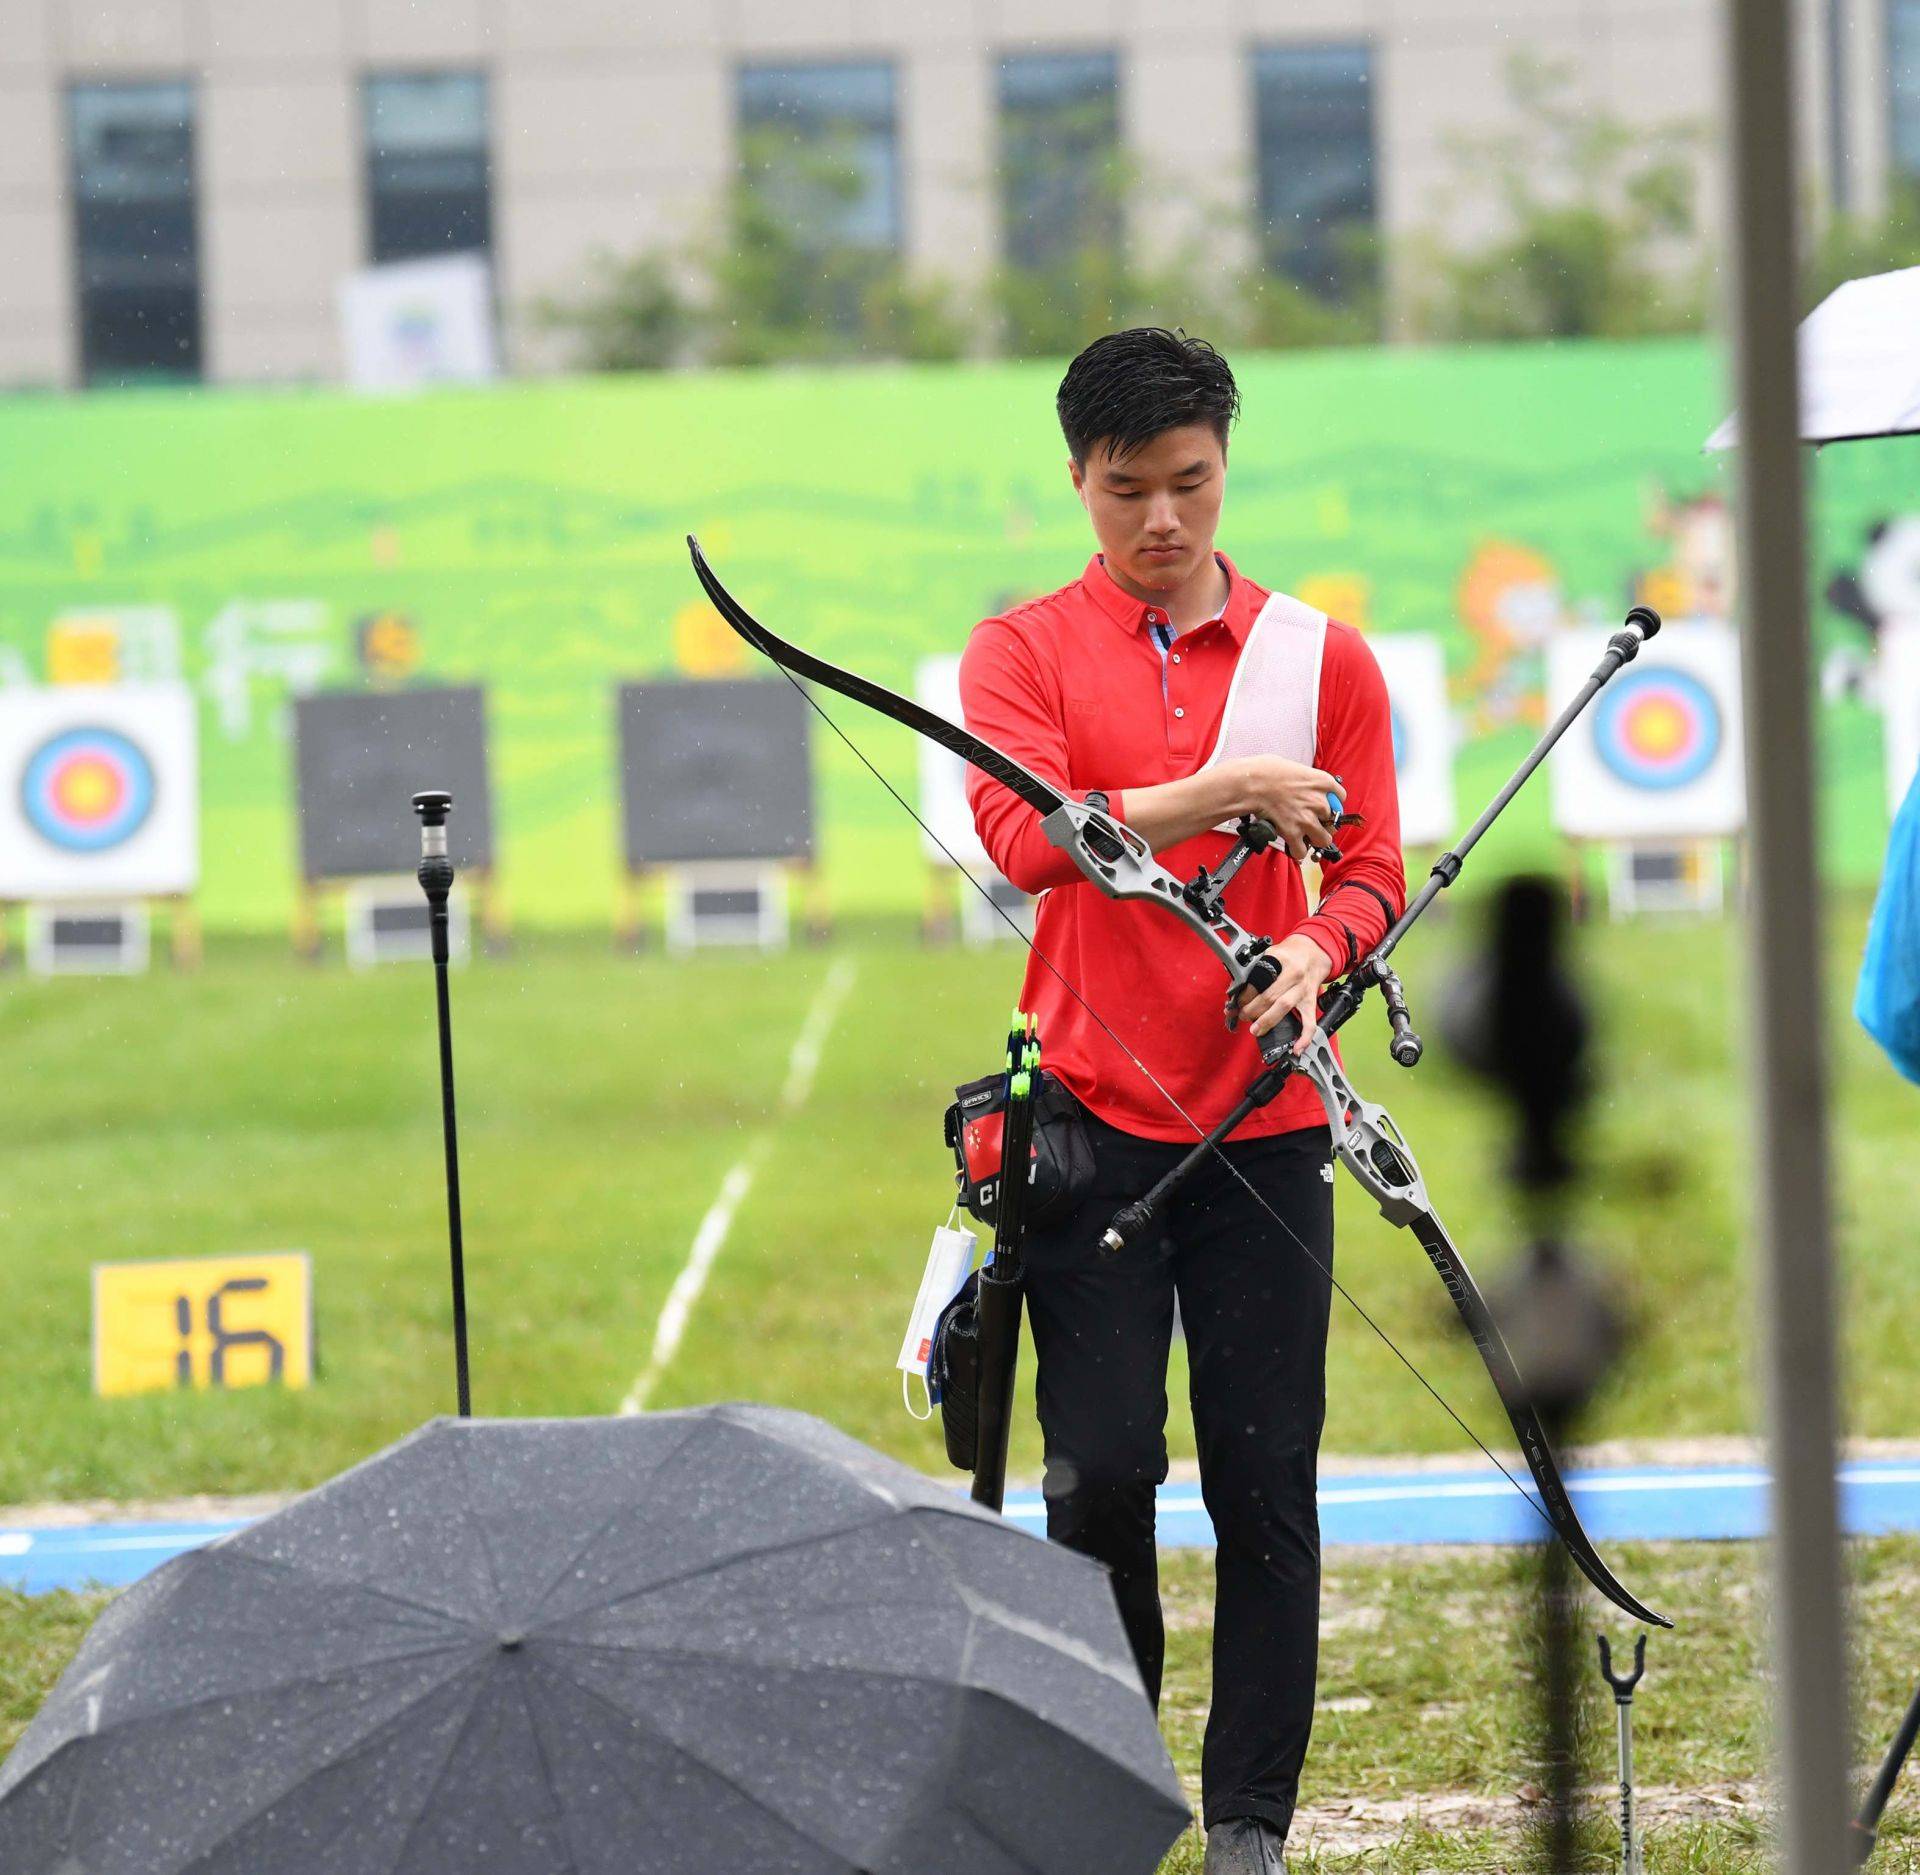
(1131, 614)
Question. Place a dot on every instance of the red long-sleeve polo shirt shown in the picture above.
(1075, 687)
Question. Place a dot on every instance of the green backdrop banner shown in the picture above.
(529, 538)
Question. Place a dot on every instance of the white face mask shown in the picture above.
(948, 1263)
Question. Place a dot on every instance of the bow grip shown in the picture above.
(1276, 1046)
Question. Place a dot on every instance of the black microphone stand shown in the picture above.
(436, 880)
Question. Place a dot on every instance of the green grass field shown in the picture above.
(259, 1104)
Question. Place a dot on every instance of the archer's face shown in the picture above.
(1156, 512)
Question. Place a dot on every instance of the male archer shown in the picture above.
(1120, 689)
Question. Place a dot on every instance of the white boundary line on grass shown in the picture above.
(710, 1239)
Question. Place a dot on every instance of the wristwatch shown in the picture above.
(1097, 800)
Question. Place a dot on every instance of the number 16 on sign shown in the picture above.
(198, 1322)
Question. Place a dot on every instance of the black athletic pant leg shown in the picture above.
(1101, 1328)
(1254, 1307)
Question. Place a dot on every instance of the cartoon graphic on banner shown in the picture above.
(1414, 665)
(1510, 599)
(285, 646)
(1658, 754)
(1345, 596)
(1881, 595)
(388, 645)
(1900, 705)
(1696, 581)
(129, 644)
(99, 791)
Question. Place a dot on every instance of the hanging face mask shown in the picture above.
(948, 1263)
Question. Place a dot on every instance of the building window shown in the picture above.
(427, 182)
(819, 148)
(1314, 114)
(135, 229)
(1903, 66)
(1059, 155)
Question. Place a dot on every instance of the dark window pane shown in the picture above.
(135, 231)
(427, 181)
(1903, 62)
(1059, 153)
(820, 141)
(1314, 106)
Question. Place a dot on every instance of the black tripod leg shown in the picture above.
(1866, 1826)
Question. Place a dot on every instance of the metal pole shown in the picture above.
(436, 880)
(1783, 934)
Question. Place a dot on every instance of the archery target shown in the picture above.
(87, 789)
(1657, 752)
(1900, 705)
(99, 791)
(1657, 728)
(1414, 667)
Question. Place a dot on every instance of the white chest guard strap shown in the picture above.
(1273, 704)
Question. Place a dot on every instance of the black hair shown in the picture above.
(1129, 387)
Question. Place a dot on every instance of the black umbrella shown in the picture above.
(725, 1641)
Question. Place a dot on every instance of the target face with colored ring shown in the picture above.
(1657, 729)
(87, 790)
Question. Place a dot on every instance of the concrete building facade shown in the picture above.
(275, 147)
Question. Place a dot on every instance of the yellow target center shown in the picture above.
(1659, 728)
(89, 790)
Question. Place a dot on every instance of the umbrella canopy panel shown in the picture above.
(1859, 364)
(729, 1638)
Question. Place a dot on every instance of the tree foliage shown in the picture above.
(1566, 223)
(1593, 218)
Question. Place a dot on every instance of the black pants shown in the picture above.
(1254, 1310)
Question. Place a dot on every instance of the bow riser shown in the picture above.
(1132, 872)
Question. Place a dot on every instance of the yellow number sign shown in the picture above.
(242, 1321)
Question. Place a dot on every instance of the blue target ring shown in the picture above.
(87, 790)
(1657, 729)
(1397, 726)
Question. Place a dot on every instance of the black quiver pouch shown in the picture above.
(1062, 1162)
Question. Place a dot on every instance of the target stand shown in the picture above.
(386, 922)
(110, 938)
(70, 937)
(1683, 877)
(727, 902)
